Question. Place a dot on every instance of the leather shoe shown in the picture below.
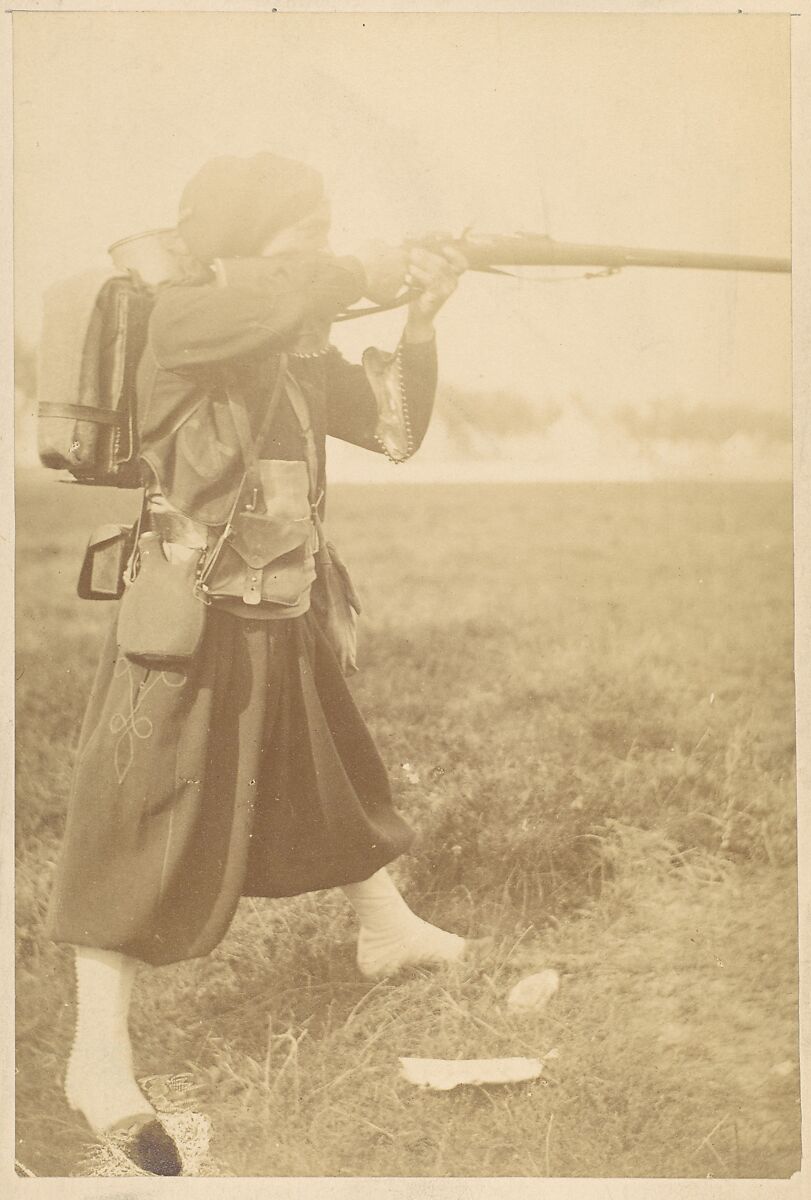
(148, 1146)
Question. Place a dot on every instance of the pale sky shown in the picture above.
(652, 130)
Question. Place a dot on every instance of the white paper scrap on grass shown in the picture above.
(533, 993)
(442, 1074)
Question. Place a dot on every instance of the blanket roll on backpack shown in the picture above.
(93, 334)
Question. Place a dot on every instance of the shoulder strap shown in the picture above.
(250, 445)
(250, 448)
(301, 409)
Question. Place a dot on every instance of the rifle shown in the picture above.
(490, 253)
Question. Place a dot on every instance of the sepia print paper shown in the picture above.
(578, 619)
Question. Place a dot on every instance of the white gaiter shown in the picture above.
(100, 1080)
(391, 935)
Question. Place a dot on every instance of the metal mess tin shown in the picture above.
(152, 255)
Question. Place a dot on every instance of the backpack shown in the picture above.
(93, 334)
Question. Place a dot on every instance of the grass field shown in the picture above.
(584, 695)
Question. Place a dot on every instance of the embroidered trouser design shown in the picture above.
(252, 774)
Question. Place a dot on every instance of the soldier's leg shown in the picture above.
(392, 936)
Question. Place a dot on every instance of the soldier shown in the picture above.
(248, 770)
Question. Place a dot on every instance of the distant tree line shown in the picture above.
(495, 414)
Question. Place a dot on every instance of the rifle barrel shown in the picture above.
(536, 250)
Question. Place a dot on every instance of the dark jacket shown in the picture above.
(206, 340)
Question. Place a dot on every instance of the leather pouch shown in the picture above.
(268, 555)
(102, 573)
(161, 617)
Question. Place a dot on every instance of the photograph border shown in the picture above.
(393, 1189)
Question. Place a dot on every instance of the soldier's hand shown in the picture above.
(436, 274)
